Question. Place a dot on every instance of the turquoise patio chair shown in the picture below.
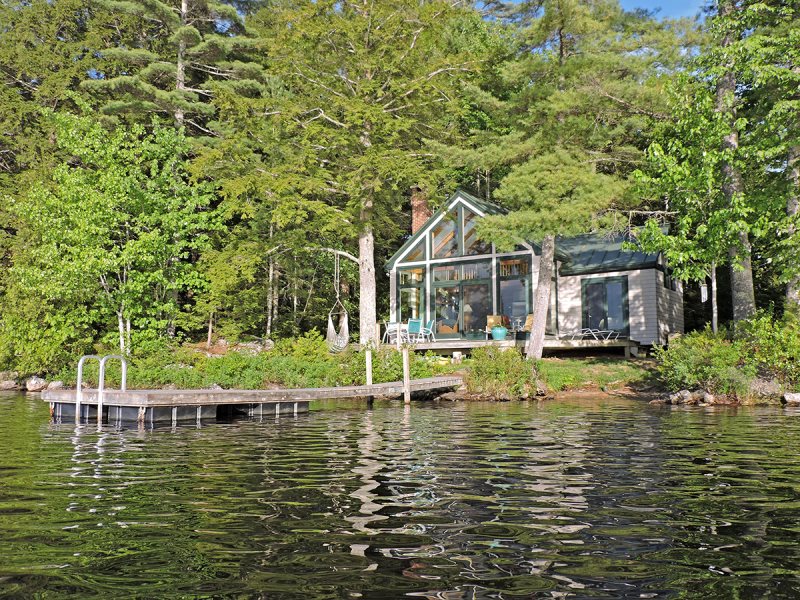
(427, 333)
(414, 330)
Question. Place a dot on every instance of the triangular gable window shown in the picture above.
(445, 236)
(472, 245)
(417, 253)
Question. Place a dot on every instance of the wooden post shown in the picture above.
(406, 377)
(368, 356)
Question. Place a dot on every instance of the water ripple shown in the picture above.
(582, 499)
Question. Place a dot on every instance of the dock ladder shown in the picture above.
(101, 384)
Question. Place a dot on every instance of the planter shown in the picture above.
(499, 333)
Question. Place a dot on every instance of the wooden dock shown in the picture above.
(165, 406)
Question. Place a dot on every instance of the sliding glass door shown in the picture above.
(605, 304)
(462, 299)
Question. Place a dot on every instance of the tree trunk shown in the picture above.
(367, 303)
(121, 326)
(714, 307)
(541, 303)
(792, 208)
(180, 76)
(742, 291)
(210, 329)
(270, 298)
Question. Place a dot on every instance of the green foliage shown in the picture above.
(298, 363)
(101, 249)
(773, 346)
(727, 362)
(501, 373)
(708, 361)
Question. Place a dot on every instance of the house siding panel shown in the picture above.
(642, 303)
(670, 311)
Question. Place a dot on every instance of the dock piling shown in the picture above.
(406, 377)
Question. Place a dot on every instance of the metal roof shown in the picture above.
(598, 253)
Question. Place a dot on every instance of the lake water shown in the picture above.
(575, 499)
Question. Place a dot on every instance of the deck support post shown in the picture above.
(369, 366)
(368, 358)
(406, 377)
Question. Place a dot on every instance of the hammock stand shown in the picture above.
(337, 341)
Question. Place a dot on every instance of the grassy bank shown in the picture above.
(306, 362)
(299, 362)
(492, 371)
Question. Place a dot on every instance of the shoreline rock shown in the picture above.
(35, 384)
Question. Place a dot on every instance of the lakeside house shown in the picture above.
(444, 273)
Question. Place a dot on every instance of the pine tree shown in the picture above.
(571, 121)
(339, 133)
(161, 56)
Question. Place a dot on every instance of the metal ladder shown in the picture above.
(101, 384)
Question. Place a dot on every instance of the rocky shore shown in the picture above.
(10, 381)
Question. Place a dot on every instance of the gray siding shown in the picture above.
(670, 310)
(642, 303)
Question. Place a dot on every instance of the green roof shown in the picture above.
(598, 253)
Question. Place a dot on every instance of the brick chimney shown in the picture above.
(420, 212)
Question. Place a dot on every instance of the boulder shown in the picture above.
(8, 385)
(765, 389)
(35, 384)
(55, 385)
(9, 375)
(709, 398)
(791, 399)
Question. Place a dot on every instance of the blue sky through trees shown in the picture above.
(669, 8)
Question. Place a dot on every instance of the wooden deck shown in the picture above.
(189, 405)
(630, 347)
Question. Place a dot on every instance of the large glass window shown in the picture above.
(411, 294)
(447, 273)
(417, 253)
(472, 245)
(477, 306)
(445, 236)
(448, 304)
(515, 286)
(478, 270)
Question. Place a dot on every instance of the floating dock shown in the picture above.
(188, 406)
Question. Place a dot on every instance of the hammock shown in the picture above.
(337, 341)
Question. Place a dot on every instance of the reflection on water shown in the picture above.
(583, 499)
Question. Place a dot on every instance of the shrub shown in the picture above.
(705, 360)
(773, 347)
(500, 372)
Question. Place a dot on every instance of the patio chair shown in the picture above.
(427, 332)
(414, 331)
(390, 332)
(585, 333)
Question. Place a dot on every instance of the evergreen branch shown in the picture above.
(203, 129)
(414, 84)
(319, 83)
(322, 115)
